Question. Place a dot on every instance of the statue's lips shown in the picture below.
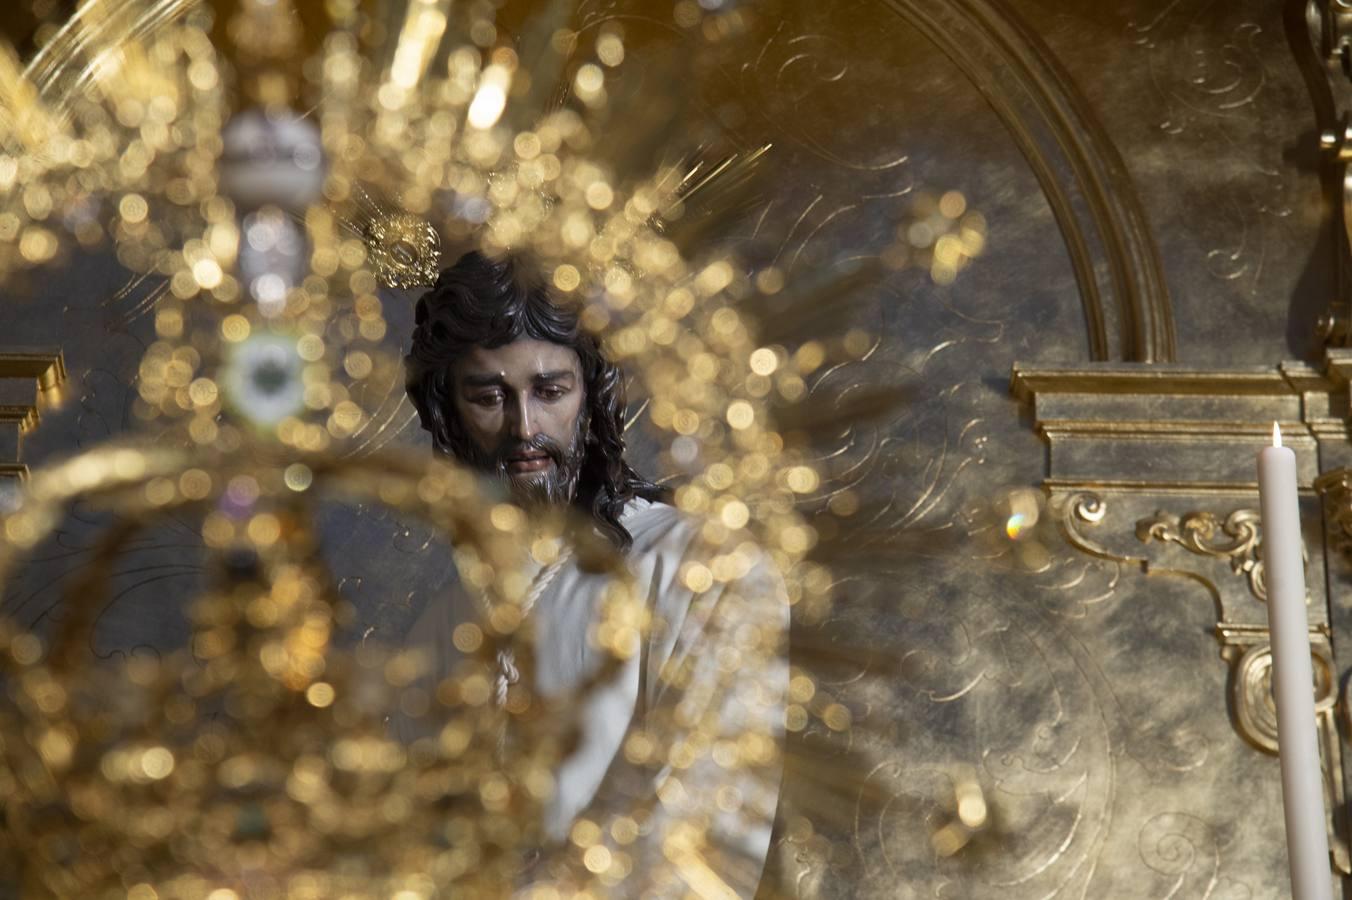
(521, 465)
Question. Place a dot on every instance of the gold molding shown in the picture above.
(29, 378)
(48, 367)
(1142, 485)
(1175, 428)
(1117, 265)
(1127, 378)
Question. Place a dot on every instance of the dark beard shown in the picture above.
(555, 485)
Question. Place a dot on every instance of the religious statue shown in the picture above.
(506, 380)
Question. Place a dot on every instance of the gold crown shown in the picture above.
(404, 249)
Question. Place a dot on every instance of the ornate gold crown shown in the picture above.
(403, 248)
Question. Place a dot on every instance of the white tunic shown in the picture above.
(716, 658)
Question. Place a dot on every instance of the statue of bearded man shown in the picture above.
(507, 381)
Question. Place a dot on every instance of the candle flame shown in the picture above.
(1276, 435)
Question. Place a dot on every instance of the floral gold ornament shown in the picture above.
(405, 251)
(1238, 540)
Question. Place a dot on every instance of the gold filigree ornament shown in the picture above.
(1198, 533)
(1251, 688)
(258, 762)
(404, 250)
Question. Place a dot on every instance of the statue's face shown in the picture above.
(521, 407)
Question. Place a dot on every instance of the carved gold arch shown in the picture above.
(1117, 265)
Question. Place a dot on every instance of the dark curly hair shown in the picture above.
(487, 302)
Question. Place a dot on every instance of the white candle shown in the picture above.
(1293, 677)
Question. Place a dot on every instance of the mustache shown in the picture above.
(539, 443)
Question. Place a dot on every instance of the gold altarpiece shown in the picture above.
(1167, 275)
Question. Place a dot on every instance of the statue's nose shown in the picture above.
(521, 420)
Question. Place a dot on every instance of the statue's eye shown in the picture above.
(550, 392)
(488, 401)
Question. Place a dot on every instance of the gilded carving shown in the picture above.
(29, 378)
(405, 249)
(1107, 477)
(1236, 539)
(1251, 687)
(1336, 489)
(1077, 510)
(1116, 261)
(1330, 28)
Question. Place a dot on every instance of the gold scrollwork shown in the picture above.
(1251, 691)
(1084, 508)
(1238, 538)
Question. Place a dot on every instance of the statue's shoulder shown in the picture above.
(651, 523)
